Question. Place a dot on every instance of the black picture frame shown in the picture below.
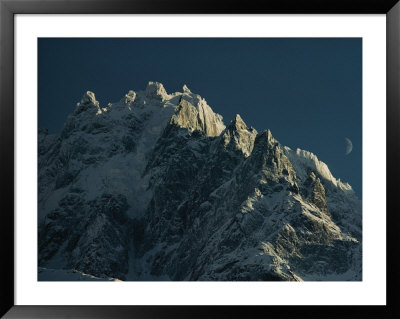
(8, 10)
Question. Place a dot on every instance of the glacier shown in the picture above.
(157, 187)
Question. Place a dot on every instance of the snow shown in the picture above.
(302, 160)
(110, 149)
(45, 274)
(123, 172)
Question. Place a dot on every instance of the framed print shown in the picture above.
(165, 159)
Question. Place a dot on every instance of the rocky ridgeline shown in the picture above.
(155, 187)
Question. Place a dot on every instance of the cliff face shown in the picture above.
(155, 187)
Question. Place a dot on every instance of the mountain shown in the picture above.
(156, 187)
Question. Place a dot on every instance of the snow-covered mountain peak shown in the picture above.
(156, 90)
(305, 161)
(154, 186)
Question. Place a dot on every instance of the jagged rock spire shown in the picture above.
(237, 123)
(265, 137)
(156, 90)
(186, 89)
(239, 136)
(200, 117)
(129, 97)
(89, 98)
(87, 102)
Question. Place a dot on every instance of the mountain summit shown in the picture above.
(156, 187)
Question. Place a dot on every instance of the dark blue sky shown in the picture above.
(308, 92)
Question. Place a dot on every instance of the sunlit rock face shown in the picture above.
(156, 187)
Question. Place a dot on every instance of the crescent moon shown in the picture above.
(349, 146)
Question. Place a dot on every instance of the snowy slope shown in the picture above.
(156, 187)
(45, 274)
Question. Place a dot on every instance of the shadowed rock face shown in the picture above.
(155, 187)
(93, 236)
